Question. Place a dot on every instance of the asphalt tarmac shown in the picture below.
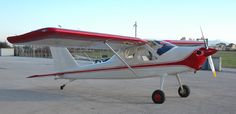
(19, 95)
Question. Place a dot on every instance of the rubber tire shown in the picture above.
(158, 97)
(186, 91)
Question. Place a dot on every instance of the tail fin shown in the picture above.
(62, 58)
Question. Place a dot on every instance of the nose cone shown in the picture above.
(209, 51)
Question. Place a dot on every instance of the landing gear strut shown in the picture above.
(183, 90)
(158, 96)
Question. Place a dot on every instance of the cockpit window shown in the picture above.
(163, 47)
(138, 53)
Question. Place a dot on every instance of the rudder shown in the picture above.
(62, 58)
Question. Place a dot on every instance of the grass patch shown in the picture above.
(228, 58)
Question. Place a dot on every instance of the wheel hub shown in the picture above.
(157, 97)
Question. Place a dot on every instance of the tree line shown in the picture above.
(4, 45)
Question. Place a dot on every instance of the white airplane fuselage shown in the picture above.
(171, 62)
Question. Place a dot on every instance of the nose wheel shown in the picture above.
(184, 92)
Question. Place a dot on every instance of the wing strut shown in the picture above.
(131, 69)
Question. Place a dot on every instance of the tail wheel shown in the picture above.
(158, 97)
(185, 92)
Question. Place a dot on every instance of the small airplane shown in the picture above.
(133, 58)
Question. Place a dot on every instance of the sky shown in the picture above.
(156, 19)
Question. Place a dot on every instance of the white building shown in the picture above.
(6, 51)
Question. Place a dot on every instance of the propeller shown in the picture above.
(209, 57)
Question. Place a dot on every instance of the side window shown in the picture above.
(164, 47)
(129, 53)
(139, 53)
(148, 56)
(143, 54)
(130, 56)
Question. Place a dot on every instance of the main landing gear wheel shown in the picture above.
(158, 97)
(185, 92)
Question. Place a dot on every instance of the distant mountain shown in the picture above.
(214, 42)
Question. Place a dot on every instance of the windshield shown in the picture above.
(163, 46)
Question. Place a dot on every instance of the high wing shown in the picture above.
(73, 38)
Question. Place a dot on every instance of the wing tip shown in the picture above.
(26, 37)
